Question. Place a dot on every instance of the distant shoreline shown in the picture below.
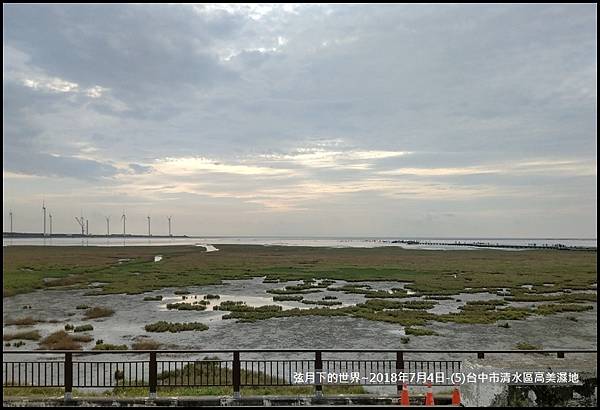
(382, 238)
(33, 239)
(28, 235)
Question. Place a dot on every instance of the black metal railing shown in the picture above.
(70, 369)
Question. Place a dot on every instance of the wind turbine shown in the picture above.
(149, 232)
(50, 217)
(108, 226)
(124, 218)
(169, 218)
(81, 223)
(87, 227)
(44, 212)
(11, 219)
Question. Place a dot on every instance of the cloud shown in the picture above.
(189, 165)
(532, 167)
(325, 158)
(140, 169)
(321, 111)
(48, 165)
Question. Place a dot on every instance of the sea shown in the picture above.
(431, 243)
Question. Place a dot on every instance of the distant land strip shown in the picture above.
(78, 235)
(492, 245)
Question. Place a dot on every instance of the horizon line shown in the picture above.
(310, 236)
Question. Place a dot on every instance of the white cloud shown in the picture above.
(324, 158)
(539, 167)
(51, 84)
(96, 91)
(192, 165)
(254, 11)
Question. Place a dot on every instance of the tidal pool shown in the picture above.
(132, 313)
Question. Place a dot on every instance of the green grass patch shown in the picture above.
(381, 304)
(494, 302)
(108, 346)
(322, 302)
(285, 298)
(563, 298)
(438, 297)
(418, 331)
(185, 306)
(83, 328)
(237, 306)
(551, 309)
(485, 316)
(163, 326)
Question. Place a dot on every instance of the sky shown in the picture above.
(302, 120)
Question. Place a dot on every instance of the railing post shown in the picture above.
(318, 373)
(480, 355)
(399, 369)
(153, 376)
(237, 376)
(68, 377)
(560, 355)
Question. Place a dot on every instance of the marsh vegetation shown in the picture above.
(148, 344)
(152, 298)
(61, 340)
(163, 326)
(25, 335)
(427, 272)
(109, 346)
(421, 282)
(23, 321)
(98, 312)
(186, 306)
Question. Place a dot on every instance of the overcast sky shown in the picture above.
(325, 120)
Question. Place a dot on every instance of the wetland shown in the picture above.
(299, 296)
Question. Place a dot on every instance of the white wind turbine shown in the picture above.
(44, 213)
(124, 218)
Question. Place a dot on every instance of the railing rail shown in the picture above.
(69, 369)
